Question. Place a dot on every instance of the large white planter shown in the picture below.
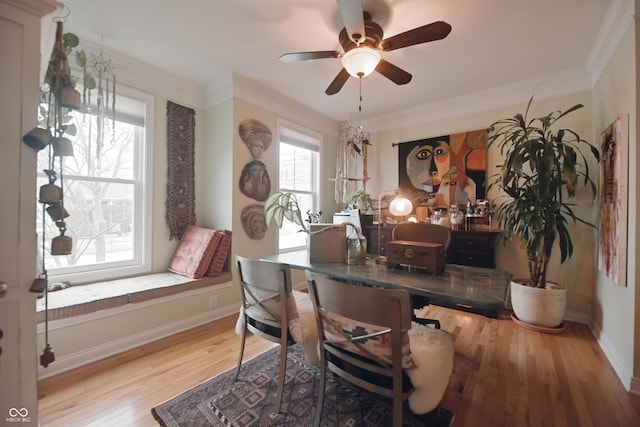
(538, 306)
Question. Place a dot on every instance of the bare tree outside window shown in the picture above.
(101, 194)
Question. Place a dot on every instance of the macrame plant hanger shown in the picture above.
(62, 94)
(352, 141)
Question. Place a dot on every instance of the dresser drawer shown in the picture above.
(378, 239)
(375, 249)
(474, 259)
(473, 243)
(475, 248)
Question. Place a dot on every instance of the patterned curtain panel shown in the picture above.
(181, 176)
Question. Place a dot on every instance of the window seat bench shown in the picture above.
(83, 299)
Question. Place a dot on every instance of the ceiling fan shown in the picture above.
(362, 41)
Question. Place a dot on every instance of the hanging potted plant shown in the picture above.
(327, 242)
(542, 169)
(363, 201)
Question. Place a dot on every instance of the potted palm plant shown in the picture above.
(327, 242)
(542, 169)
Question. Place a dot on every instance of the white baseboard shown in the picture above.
(577, 317)
(81, 358)
(635, 386)
(630, 383)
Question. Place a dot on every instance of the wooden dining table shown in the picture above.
(474, 289)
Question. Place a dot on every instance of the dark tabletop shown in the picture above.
(482, 288)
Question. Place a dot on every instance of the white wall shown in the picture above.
(103, 335)
(252, 101)
(220, 156)
(615, 308)
(578, 273)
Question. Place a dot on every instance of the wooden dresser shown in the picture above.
(468, 247)
(375, 245)
(474, 248)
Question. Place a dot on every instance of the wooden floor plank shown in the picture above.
(504, 375)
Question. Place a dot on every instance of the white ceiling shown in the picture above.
(493, 44)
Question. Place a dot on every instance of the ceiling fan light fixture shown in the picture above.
(360, 61)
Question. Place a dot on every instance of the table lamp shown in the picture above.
(398, 207)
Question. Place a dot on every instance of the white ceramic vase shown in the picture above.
(537, 306)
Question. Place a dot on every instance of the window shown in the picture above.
(106, 195)
(299, 152)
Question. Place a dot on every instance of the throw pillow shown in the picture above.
(220, 253)
(194, 252)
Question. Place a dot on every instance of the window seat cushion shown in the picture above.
(84, 299)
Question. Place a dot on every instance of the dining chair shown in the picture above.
(364, 343)
(421, 232)
(267, 307)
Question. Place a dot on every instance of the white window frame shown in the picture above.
(299, 136)
(143, 191)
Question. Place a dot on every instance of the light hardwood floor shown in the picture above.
(504, 375)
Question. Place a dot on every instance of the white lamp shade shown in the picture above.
(400, 206)
(360, 61)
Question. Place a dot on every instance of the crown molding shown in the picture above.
(572, 80)
(616, 23)
(568, 81)
(619, 18)
(35, 7)
(147, 78)
(240, 87)
(218, 91)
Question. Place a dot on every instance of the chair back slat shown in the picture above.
(263, 283)
(362, 303)
(264, 275)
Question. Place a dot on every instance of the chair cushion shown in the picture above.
(378, 347)
(303, 327)
(302, 323)
(385, 381)
(194, 252)
(432, 352)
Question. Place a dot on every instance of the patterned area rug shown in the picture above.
(250, 402)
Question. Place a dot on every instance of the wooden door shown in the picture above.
(19, 76)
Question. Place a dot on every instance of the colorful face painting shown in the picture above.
(449, 169)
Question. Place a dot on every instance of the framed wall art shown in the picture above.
(614, 183)
(445, 170)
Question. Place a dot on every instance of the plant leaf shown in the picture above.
(81, 58)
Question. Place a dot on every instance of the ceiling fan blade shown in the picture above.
(427, 33)
(308, 56)
(393, 73)
(338, 82)
(353, 19)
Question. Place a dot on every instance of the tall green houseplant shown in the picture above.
(542, 169)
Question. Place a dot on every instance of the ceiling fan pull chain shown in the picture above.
(360, 103)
